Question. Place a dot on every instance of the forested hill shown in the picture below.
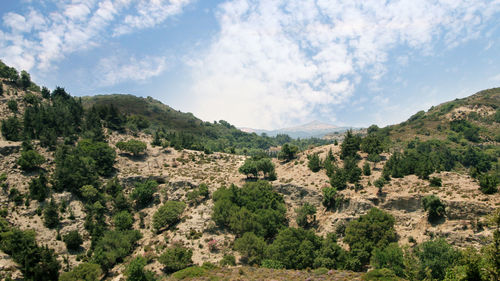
(471, 120)
(184, 130)
(69, 117)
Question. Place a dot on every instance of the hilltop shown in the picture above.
(122, 180)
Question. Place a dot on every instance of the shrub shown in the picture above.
(135, 271)
(368, 232)
(176, 258)
(251, 247)
(38, 188)
(434, 207)
(273, 264)
(190, 272)
(330, 197)
(330, 255)
(382, 274)
(168, 214)
(143, 193)
(123, 220)
(227, 260)
(11, 128)
(113, 246)
(350, 145)
(73, 240)
(103, 155)
(83, 272)
(295, 248)
(435, 181)
(255, 207)
(436, 256)
(306, 215)
(12, 105)
(314, 163)
(51, 215)
(488, 183)
(366, 169)
(288, 152)
(30, 160)
(132, 146)
(38, 263)
(390, 257)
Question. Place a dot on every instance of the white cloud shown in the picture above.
(276, 63)
(36, 40)
(115, 70)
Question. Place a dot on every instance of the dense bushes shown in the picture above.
(168, 214)
(143, 193)
(135, 271)
(84, 271)
(113, 246)
(30, 160)
(434, 207)
(253, 208)
(257, 164)
(38, 263)
(371, 231)
(123, 220)
(132, 146)
(176, 258)
(73, 240)
(306, 215)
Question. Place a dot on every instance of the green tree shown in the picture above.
(390, 257)
(11, 128)
(143, 193)
(51, 215)
(366, 169)
(123, 220)
(132, 146)
(73, 240)
(288, 152)
(168, 214)
(330, 255)
(45, 93)
(314, 163)
(350, 145)
(30, 160)
(12, 105)
(488, 183)
(251, 247)
(306, 215)
(295, 248)
(38, 188)
(73, 170)
(368, 232)
(135, 271)
(249, 168)
(25, 80)
(434, 207)
(255, 207)
(176, 258)
(329, 197)
(83, 272)
(103, 155)
(436, 256)
(113, 246)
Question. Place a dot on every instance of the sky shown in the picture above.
(263, 64)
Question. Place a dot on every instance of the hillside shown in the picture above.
(480, 111)
(109, 195)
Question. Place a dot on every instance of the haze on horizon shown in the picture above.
(262, 64)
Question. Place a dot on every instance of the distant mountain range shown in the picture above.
(315, 129)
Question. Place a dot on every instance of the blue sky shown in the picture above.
(262, 63)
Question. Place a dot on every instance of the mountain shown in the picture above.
(314, 129)
(91, 191)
